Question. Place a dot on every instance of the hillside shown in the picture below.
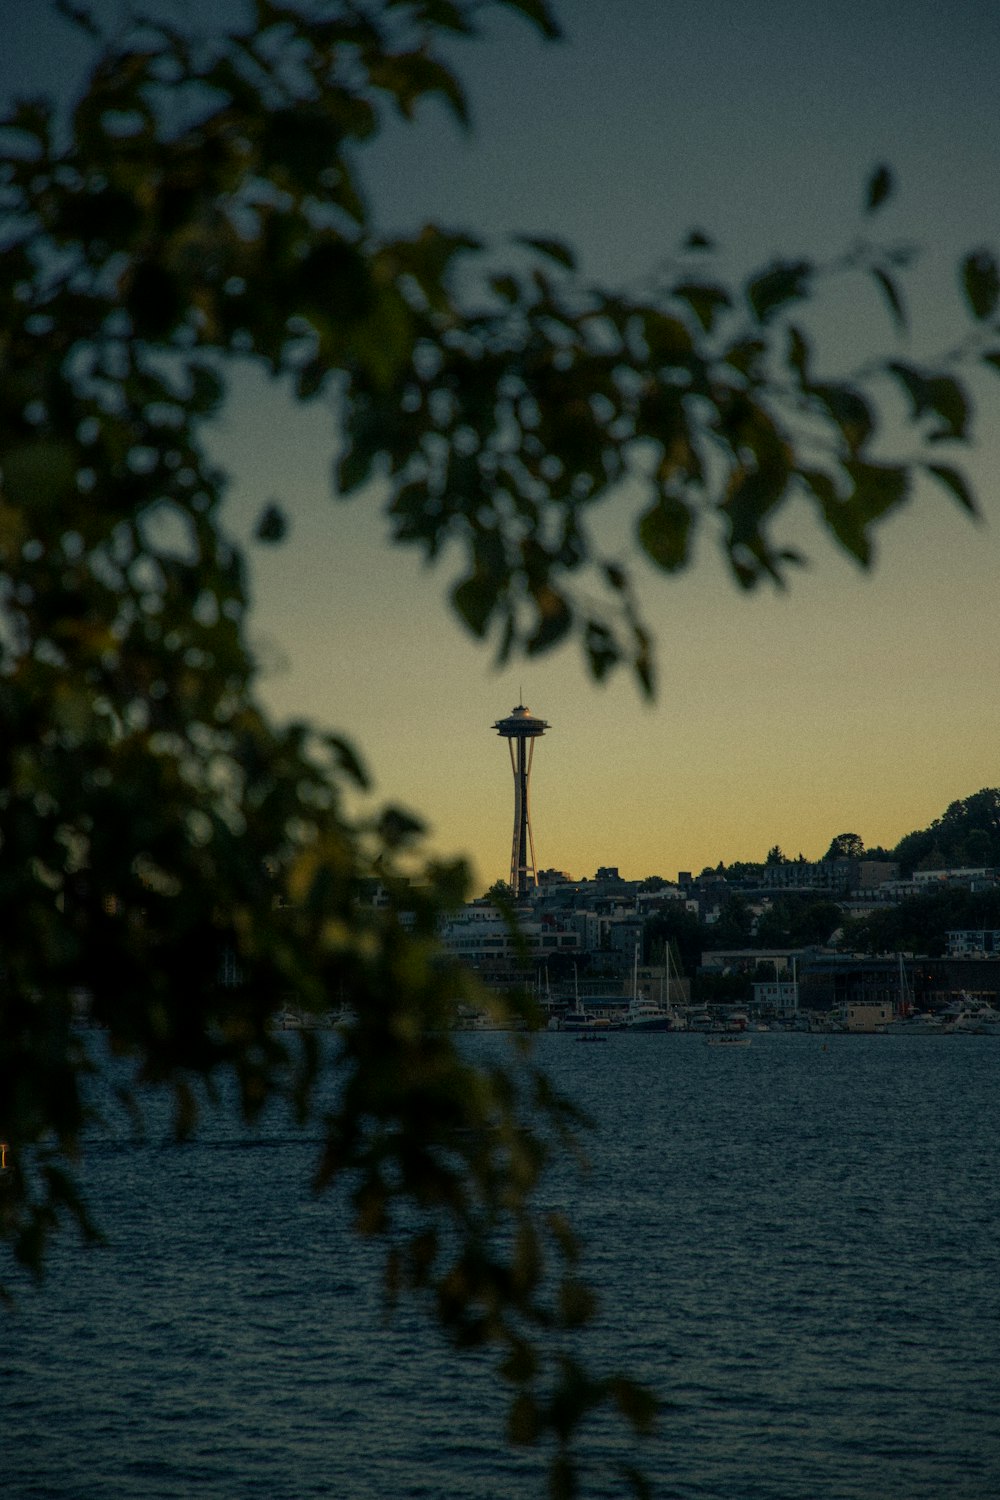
(968, 834)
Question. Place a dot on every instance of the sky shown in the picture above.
(852, 701)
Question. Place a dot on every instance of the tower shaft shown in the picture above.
(520, 729)
(523, 874)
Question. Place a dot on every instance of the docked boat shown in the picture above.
(970, 1014)
(646, 1014)
(584, 1021)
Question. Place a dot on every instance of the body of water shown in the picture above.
(796, 1243)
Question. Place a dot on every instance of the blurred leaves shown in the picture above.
(780, 284)
(981, 283)
(880, 188)
(272, 525)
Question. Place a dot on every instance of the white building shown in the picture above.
(480, 936)
(971, 942)
(777, 996)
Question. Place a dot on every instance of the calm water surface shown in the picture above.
(796, 1243)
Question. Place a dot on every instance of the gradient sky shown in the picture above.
(854, 702)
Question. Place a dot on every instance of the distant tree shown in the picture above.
(968, 833)
(673, 924)
(846, 846)
(500, 890)
(775, 856)
(713, 988)
(798, 920)
(734, 928)
(979, 848)
(920, 923)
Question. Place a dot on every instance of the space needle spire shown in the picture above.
(520, 729)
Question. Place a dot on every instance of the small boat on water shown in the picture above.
(728, 1041)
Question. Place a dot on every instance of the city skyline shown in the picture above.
(850, 702)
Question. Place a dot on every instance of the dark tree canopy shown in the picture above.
(966, 835)
(920, 924)
(846, 846)
(201, 206)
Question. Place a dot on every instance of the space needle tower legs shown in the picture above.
(520, 729)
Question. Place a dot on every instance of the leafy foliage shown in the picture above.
(846, 846)
(966, 835)
(203, 206)
(920, 924)
(797, 920)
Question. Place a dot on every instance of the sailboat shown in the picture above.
(644, 1014)
(580, 1020)
(907, 1017)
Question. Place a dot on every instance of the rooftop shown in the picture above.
(520, 722)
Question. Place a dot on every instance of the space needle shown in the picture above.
(520, 729)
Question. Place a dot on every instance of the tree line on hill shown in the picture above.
(967, 835)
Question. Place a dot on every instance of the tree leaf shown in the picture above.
(602, 651)
(880, 187)
(798, 353)
(397, 827)
(746, 356)
(698, 240)
(704, 300)
(785, 281)
(636, 1402)
(890, 291)
(474, 599)
(505, 287)
(540, 14)
(552, 249)
(555, 619)
(849, 410)
(409, 76)
(349, 761)
(667, 339)
(665, 533)
(523, 1420)
(272, 524)
(981, 283)
(955, 481)
(353, 469)
(40, 474)
(949, 401)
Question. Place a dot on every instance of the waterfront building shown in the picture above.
(776, 997)
(973, 942)
(485, 939)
